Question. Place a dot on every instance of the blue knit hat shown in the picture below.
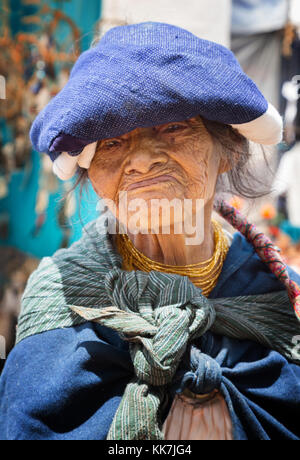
(144, 75)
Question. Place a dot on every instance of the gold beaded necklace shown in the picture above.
(203, 274)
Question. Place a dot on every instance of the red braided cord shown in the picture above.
(264, 247)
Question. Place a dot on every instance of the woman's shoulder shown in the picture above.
(88, 258)
(244, 273)
(73, 276)
(72, 380)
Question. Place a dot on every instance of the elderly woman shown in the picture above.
(157, 324)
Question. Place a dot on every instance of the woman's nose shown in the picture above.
(142, 161)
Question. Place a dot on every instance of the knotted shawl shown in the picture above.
(159, 314)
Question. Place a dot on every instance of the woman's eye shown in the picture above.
(112, 144)
(173, 128)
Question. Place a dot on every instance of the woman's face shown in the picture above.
(174, 160)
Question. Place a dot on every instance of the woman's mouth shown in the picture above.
(153, 180)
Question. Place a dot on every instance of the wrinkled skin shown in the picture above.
(186, 154)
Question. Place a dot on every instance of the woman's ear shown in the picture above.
(228, 160)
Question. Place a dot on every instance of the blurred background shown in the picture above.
(39, 42)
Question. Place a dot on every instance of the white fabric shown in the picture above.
(65, 165)
(287, 180)
(86, 156)
(290, 93)
(294, 13)
(266, 129)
